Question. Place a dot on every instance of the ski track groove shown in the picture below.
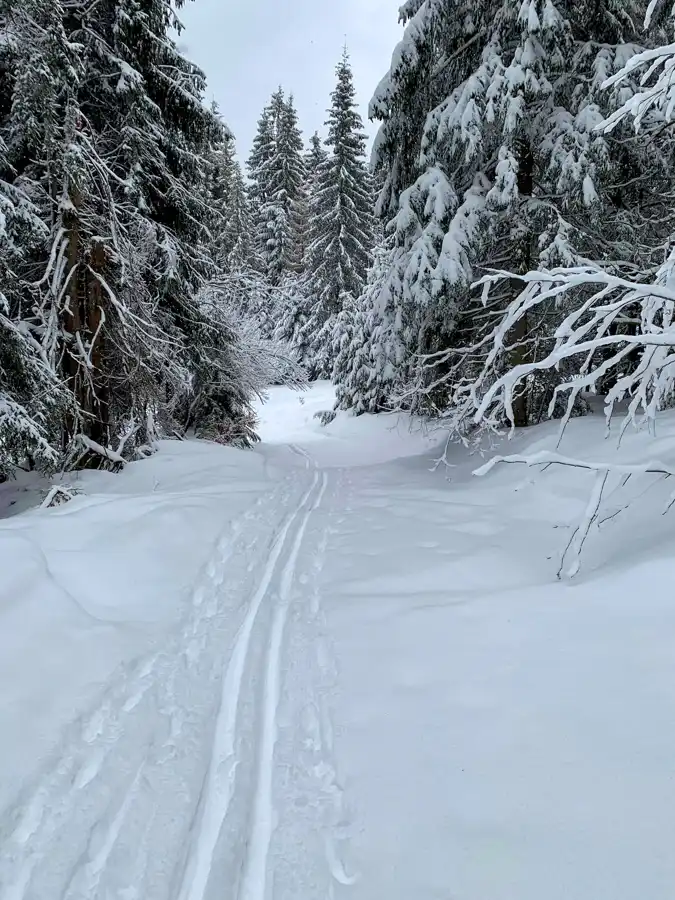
(58, 792)
(255, 868)
(221, 777)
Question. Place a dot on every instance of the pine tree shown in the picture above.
(491, 158)
(239, 225)
(257, 165)
(314, 155)
(366, 356)
(341, 226)
(279, 177)
(619, 342)
(218, 189)
(31, 398)
(231, 244)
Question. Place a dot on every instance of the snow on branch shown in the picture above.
(572, 553)
(548, 457)
(657, 81)
(603, 319)
(107, 454)
(57, 495)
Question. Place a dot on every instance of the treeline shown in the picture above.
(308, 222)
(108, 221)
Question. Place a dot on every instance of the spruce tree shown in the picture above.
(491, 158)
(239, 225)
(231, 242)
(367, 355)
(31, 398)
(218, 190)
(314, 156)
(341, 227)
(257, 166)
(278, 171)
(619, 341)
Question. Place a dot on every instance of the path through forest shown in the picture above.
(321, 670)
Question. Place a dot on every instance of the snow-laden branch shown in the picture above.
(591, 340)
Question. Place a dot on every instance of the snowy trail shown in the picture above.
(167, 786)
(255, 869)
(329, 674)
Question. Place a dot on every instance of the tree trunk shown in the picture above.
(72, 317)
(82, 321)
(521, 352)
(99, 402)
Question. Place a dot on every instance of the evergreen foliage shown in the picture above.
(277, 171)
(492, 157)
(620, 340)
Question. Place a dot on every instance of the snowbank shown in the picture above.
(503, 734)
(466, 724)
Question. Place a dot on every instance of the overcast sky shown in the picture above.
(248, 47)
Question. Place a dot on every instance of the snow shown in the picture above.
(325, 668)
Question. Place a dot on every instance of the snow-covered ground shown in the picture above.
(321, 669)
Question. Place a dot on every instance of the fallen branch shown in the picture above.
(58, 495)
(603, 471)
(107, 453)
(547, 457)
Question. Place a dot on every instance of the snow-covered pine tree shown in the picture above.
(28, 421)
(107, 133)
(341, 227)
(315, 156)
(280, 213)
(491, 158)
(218, 190)
(41, 73)
(231, 243)
(31, 398)
(239, 225)
(262, 151)
(366, 358)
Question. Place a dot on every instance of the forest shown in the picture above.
(506, 251)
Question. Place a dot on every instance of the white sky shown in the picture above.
(248, 47)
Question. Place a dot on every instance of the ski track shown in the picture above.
(255, 869)
(70, 805)
(223, 765)
(326, 789)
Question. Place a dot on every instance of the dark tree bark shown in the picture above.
(521, 353)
